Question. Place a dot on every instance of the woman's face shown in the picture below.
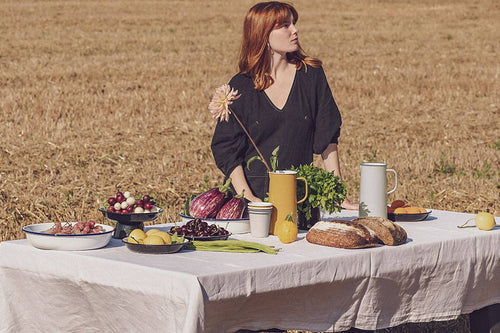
(285, 38)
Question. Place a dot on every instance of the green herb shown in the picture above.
(176, 239)
(325, 189)
(273, 159)
(185, 210)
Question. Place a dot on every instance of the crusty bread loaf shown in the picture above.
(342, 234)
(387, 231)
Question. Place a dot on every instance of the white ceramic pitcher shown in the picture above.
(373, 189)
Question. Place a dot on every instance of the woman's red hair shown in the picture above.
(254, 60)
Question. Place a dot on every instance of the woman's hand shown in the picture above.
(252, 198)
(347, 204)
(240, 184)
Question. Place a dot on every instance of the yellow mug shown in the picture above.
(283, 195)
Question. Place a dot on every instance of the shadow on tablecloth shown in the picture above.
(459, 325)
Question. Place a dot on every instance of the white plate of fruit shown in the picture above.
(69, 236)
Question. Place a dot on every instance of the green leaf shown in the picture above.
(274, 159)
(186, 204)
(251, 160)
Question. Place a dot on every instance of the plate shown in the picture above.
(36, 235)
(208, 238)
(131, 217)
(234, 226)
(408, 217)
(155, 249)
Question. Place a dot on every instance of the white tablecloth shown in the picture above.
(440, 273)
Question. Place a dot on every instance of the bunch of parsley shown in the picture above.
(325, 189)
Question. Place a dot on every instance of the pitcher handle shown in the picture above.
(396, 180)
(306, 186)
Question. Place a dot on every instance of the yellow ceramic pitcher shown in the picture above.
(283, 195)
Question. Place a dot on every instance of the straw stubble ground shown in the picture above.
(97, 96)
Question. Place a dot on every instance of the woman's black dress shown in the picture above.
(306, 125)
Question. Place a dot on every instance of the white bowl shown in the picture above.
(260, 205)
(36, 235)
(234, 226)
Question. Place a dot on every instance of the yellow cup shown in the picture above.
(283, 195)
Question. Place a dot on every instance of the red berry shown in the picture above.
(111, 201)
(146, 198)
(148, 205)
(120, 199)
(111, 209)
(139, 203)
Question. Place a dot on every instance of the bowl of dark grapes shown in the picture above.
(197, 229)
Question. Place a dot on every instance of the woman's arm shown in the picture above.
(240, 183)
(331, 162)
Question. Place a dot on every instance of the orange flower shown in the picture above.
(219, 108)
(223, 97)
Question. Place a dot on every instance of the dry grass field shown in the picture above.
(100, 96)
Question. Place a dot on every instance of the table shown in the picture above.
(440, 273)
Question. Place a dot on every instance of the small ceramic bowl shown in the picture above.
(408, 217)
(260, 205)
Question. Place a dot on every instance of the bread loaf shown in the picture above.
(341, 234)
(386, 231)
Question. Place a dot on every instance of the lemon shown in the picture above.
(136, 236)
(152, 231)
(287, 230)
(165, 236)
(484, 221)
(153, 240)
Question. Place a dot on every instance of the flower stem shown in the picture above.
(251, 140)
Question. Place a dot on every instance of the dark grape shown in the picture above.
(199, 228)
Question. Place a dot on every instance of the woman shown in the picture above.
(285, 101)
